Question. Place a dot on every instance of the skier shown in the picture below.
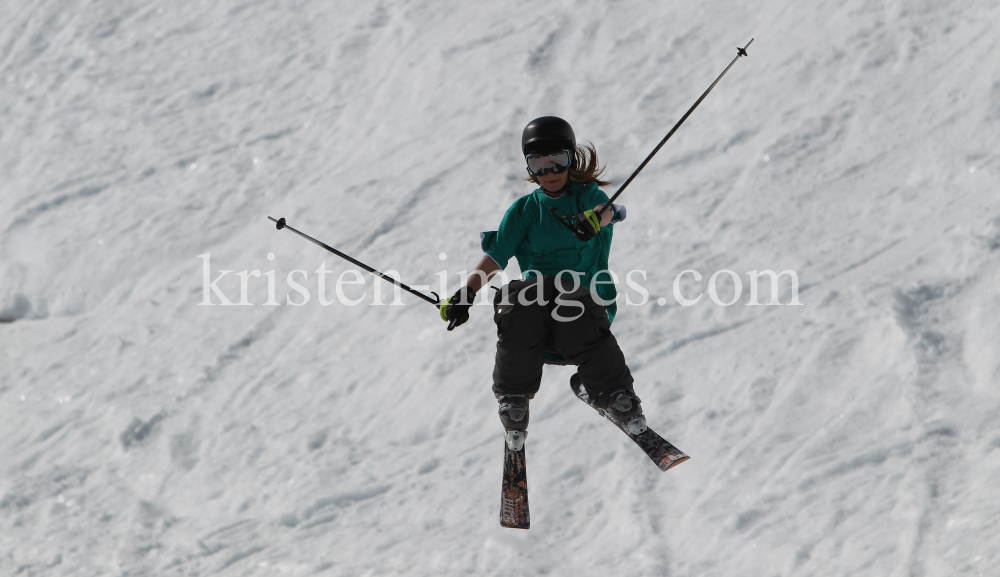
(561, 311)
(553, 234)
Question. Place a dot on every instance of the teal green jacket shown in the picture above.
(542, 245)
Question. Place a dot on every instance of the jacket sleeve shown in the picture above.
(501, 244)
(620, 213)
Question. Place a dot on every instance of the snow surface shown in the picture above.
(144, 434)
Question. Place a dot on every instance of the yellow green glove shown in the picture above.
(455, 309)
(595, 222)
(587, 225)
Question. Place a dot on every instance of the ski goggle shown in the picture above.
(554, 162)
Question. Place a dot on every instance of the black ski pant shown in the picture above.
(559, 320)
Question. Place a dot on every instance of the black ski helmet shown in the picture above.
(546, 134)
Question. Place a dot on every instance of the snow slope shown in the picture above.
(144, 434)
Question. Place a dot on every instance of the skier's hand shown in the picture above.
(455, 309)
(587, 225)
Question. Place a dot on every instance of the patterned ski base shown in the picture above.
(514, 496)
(663, 454)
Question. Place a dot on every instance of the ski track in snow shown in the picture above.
(144, 434)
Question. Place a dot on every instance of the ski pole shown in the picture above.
(435, 301)
(739, 52)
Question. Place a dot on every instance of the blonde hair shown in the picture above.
(585, 169)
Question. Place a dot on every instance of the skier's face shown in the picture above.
(552, 182)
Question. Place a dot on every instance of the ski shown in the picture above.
(514, 496)
(663, 454)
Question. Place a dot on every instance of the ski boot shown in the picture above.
(514, 416)
(622, 407)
